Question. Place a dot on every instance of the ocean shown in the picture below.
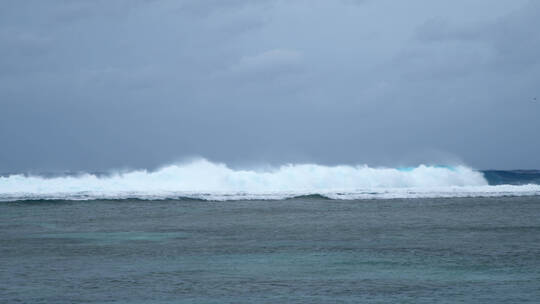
(295, 234)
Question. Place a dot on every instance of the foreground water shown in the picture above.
(301, 250)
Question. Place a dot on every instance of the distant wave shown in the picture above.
(205, 180)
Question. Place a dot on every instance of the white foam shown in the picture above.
(212, 181)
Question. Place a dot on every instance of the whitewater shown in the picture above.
(205, 180)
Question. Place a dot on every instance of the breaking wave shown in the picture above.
(202, 179)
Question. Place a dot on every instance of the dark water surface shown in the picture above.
(304, 250)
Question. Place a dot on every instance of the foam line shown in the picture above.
(203, 179)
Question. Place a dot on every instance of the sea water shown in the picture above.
(421, 235)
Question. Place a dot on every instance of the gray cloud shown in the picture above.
(92, 85)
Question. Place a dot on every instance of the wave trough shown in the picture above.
(206, 180)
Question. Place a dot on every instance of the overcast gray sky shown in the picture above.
(94, 85)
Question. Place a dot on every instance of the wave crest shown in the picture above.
(202, 179)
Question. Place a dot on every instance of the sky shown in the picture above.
(103, 84)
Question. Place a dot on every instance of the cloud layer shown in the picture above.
(92, 85)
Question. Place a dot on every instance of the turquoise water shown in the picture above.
(302, 250)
